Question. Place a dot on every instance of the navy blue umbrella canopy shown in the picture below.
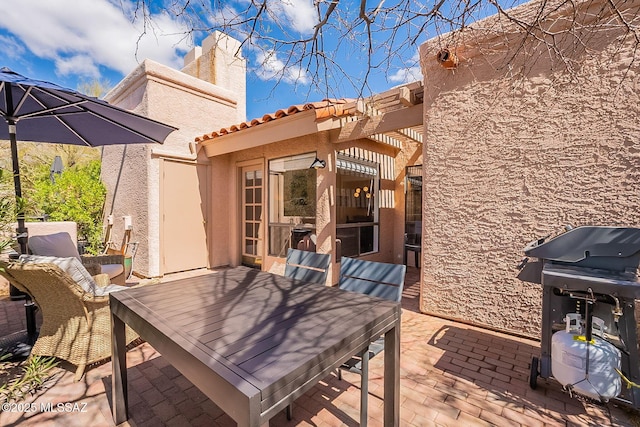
(46, 112)
(40, 111)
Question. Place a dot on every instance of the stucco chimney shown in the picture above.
(219, 61)
(193, 54)
(216, 61)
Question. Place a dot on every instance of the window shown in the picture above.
(413, 204)
(292, 202)
(357, 224)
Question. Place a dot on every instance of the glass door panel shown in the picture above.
(252, 233)
(413, 202)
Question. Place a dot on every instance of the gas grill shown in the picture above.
(590, 283)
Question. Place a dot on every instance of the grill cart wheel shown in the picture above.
(533, 375)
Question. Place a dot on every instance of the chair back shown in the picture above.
(307, 266)
(57, 244)
(46, 283)
(372, 278)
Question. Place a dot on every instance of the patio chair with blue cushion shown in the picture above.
(376, 279)
(307, 266)
(76, 321)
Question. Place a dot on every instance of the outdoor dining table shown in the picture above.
(254, 341)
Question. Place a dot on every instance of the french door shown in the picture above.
(252, 208)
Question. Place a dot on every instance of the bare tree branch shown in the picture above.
(384, 35)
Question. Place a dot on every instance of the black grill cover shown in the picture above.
(610, 248)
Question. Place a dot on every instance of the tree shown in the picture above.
(305, 42)
(76, 195)
(95, 88)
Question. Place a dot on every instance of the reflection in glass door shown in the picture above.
(252, 233)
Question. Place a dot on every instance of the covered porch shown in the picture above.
(329, 176)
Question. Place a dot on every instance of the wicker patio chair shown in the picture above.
(76, 324)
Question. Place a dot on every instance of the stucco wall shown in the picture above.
(132, 174)
(219, 61)
(510, 157)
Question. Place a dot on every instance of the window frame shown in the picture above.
(291, 227)
(354, 166)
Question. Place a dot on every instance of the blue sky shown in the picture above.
(71, 41)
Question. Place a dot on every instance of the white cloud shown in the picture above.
(410, 73)
(406, 75)
(78, 64)
(297, 14)
(81, 35)
(272, 68)
(11, 48)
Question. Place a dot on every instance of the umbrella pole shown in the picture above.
(22, 232)
(11, 121)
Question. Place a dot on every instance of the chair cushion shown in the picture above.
(70, 265)
(74, 268)
(112, 270)
(58, 245)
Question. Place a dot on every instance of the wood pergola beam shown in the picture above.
(385, 122)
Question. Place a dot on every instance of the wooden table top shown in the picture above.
(265, 335)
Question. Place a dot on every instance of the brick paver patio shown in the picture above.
(452, 374)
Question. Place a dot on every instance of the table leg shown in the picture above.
(364, 388)
(392, 376)
(119, 394)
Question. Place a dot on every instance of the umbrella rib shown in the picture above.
(107, 119)
(47, 111)
(73, 131)
(2, 89)
(23, 99)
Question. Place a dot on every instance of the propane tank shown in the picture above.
(594, 376)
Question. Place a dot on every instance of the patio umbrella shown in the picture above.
(40, 111)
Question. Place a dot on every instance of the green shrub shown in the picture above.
(76, 195)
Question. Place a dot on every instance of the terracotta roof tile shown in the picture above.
(324, 109)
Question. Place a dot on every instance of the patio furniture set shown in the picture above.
(252, 341)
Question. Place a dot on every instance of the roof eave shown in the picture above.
(295, 126)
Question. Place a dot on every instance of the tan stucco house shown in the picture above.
(267, 197)
(515, 141)
(243, 194)
(520, 141)
(159, 195)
